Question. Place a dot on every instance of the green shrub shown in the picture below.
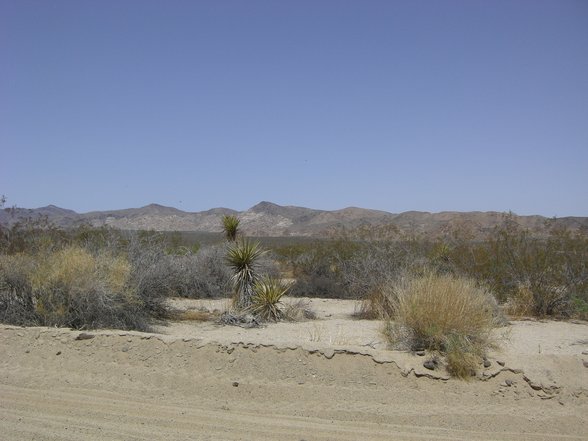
(243, 259)
(580, 308)
(266, 300)
(553, 269)
(231, 227)
(319, 268)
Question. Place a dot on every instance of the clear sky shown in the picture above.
(393, 105)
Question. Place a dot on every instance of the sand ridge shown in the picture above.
(233, 384)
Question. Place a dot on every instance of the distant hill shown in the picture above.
(268, 219)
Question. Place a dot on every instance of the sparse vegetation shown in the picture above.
(432, 294)
(99, 277)
(542, 276)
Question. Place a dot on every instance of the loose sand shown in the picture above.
(328, 379)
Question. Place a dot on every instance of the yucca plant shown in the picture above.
(242, 257)
(266, 301)
(231, 227)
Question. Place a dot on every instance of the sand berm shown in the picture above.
(326, 379)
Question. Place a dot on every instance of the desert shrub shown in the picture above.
(373, 269)
(552, 269)
(443, 313)
(266, 302)
(318, 268)
(32, 236)
(213, 277)
(16, 296)
(70, 287)
(158, 275)
(77, 289)
(580, 308)
(98, 239)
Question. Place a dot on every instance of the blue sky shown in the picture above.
(412, 105)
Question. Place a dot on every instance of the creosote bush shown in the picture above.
(318, 267)
(202, 275)
(443, 313)
(536, 275)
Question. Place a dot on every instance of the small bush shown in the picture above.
(319, 268)
(158, 275)
(580, 308)
(446, 314)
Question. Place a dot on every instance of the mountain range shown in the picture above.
(269, 219)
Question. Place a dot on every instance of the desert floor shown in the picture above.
(327, 379)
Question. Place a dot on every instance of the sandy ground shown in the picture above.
(328, 379)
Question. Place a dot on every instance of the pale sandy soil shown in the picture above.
(327, 379)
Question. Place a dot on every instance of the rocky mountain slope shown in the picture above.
(268, 219)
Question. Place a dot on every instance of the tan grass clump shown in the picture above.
(443, 313)
(193, 315)
(80, 271)
(376, 305)
(521, 303)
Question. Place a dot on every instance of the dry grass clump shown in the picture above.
(70, 287)
(447, 314)
(520, 303)
(376, 305)
(194, 315)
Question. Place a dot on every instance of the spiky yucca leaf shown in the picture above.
(242, 257)
(231, 227)
(266, 300)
